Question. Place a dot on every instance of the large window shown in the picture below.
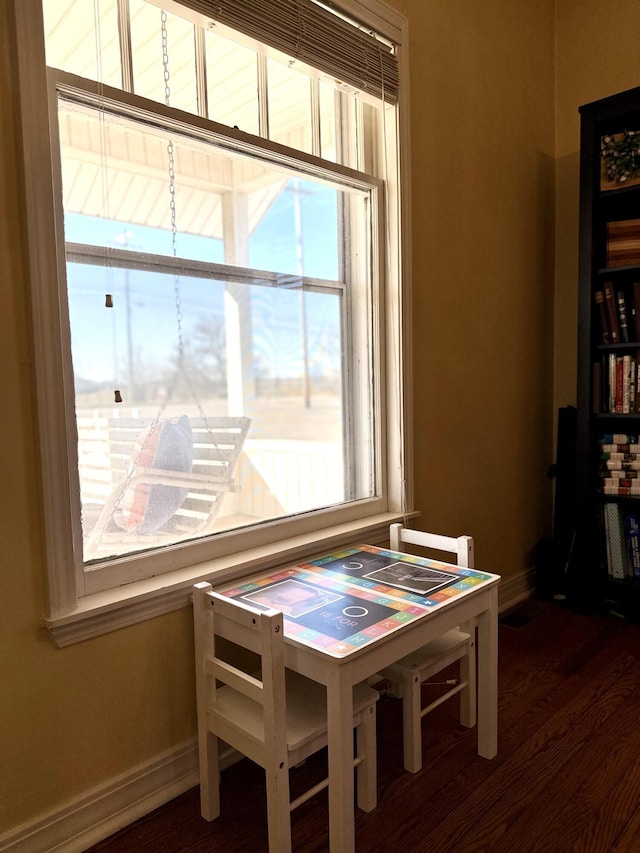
(228, 283)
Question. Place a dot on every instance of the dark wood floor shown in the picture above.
(566, 777)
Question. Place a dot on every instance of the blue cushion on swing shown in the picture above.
(165, 445)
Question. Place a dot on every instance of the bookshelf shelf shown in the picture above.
(627, 416)
(618, 346)
(606, 272)
(623, 191)
(607, 555)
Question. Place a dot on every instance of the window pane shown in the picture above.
(78, 43)
(232, 83)
(328, 147)
(371, 157)
(286, 238)
(147, 49)
(293, 457)
(348, 129)
(243, 303)
(289, 106)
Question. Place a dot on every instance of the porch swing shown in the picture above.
(169, 474)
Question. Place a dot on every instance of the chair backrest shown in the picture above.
(261, 632)
(460, 546)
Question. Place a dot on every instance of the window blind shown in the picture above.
(314, 35)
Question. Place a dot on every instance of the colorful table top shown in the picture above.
(346, 600)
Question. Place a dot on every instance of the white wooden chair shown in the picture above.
(409, 673)
(275, 718)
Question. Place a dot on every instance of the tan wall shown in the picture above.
(483, 183)
(483, 227)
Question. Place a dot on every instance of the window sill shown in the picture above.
(116, 608)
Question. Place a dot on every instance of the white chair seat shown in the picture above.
(432, 657)
(306, 713)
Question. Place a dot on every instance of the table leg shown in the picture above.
(340, 742)
(488, 679)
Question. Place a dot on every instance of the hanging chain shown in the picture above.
(135, 461)
(172, 188)
(174, 233)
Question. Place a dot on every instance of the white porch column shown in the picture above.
(237, 303)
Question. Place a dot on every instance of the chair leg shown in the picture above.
(468, 674)
(278, 814)
(209, 776)
(412, 723)
(366, 771)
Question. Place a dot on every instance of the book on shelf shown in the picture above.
(616, 548)
(620, 482)
(612, 383)
(622, 491)
(622, 465)
(629, 476)
(619, 392)
(626, 384)
(620, 455)
(621, 373)
(619, 448)
(619, 438)
(611, 312)
(636, 313)
(631, 519)
(622, 316)
(602, 316)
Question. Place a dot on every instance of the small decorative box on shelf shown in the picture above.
(620, 154)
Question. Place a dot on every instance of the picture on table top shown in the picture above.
(414, 578)
(292, 597)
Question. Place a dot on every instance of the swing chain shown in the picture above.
(172, 186)
(174, 230)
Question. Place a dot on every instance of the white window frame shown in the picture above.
(72, 616)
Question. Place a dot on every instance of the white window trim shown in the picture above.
(69, 617)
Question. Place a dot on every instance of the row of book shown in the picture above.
(616, 384)
(619, 312)
(622, 539)
(619, 468)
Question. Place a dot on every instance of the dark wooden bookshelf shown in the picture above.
(600, 205)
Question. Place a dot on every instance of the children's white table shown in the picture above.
(352, 613)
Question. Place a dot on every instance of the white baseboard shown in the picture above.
(106, 809)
